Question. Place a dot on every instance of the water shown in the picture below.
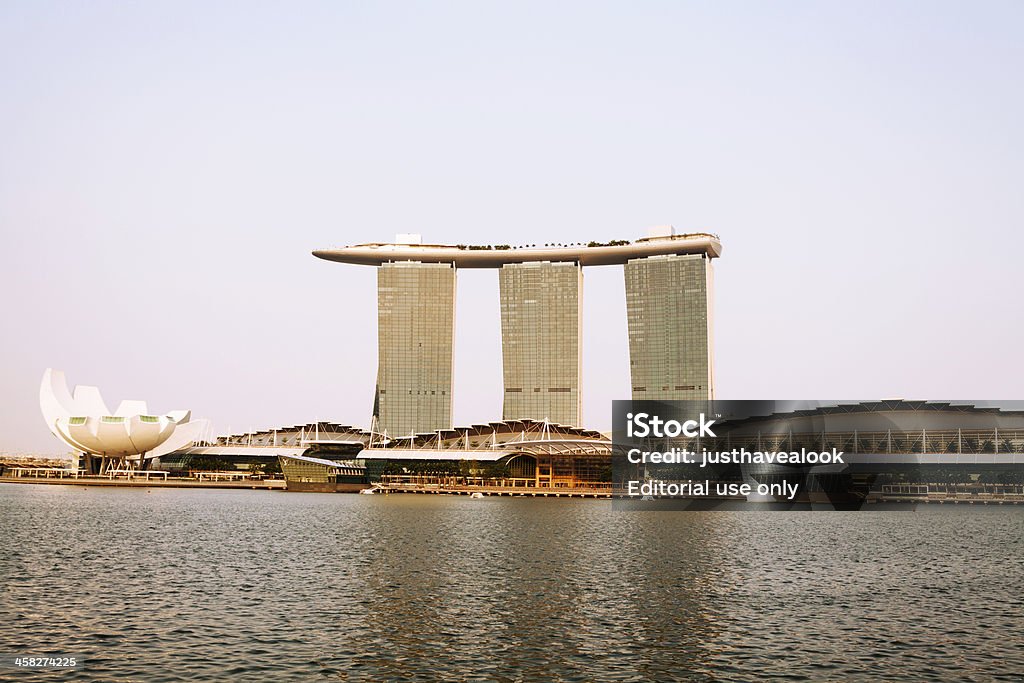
(174, 585)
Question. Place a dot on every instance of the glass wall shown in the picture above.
(668, 313)
(415, 335)
(540, 341)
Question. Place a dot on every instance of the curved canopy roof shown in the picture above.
(881, 416)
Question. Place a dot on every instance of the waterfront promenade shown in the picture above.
(520, 491)
(468, 486)
(149, 482)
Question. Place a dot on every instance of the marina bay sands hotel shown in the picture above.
(668, 314)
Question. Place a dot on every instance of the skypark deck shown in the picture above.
(495, 256)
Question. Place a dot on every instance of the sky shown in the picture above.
(166, 168)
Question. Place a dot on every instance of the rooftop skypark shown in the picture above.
(614, 252)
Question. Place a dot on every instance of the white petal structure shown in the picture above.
(83, 421)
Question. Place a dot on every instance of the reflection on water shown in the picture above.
(169, 585)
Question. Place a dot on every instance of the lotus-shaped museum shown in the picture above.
(129, 434)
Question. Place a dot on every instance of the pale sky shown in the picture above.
(166, 169)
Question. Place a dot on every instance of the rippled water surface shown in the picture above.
(173, 585)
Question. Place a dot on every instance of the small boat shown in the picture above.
(476, 494)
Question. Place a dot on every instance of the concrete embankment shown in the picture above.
(266, 485)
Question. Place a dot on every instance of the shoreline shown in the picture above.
(265, 485)
(280, 485)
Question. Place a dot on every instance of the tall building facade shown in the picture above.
(668, 316)
(541, 342)
(415, 338)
